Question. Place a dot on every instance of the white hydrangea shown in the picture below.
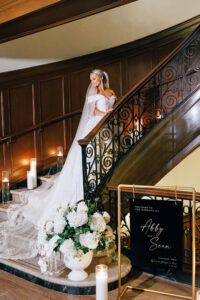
(42, 236)
(106, 217)
(48, 247)
(67, 247)
(77, 219)
(41, 224)
(59, 223)
(82, 207)
(98, 223)
(49, 226)
(89, 240)
(43, 265)
(61, 210)
(53, 241)
(46, 250)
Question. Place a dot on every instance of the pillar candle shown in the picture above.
(60, 151)
(5, 187)
(5, 176)
(59, 158)
(198, 295)
(34, 171)
(5, 179)
(30, 180)
(101, 282)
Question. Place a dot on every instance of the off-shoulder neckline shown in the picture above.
(101, 95)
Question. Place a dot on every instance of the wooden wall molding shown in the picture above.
(54, 15)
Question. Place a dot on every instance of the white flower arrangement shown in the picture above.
(74, 231)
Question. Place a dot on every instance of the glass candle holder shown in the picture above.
(52, 265)
(101, 282)
(59, 158)
(33, 167)
(5, 187)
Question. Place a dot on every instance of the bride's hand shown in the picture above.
(109, 108)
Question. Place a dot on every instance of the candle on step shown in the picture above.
(101, 282)
(198, 295)
(30, 180)
(59, 158)
(5, 187)
(60, 151)
(34, 171)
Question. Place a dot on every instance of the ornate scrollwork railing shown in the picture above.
(139, 111)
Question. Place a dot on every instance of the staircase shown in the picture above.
(152, 128)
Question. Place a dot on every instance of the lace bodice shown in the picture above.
(101, 102)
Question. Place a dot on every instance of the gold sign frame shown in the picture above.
(176, 190)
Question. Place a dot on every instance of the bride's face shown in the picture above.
(95, 80)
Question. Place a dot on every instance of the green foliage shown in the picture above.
(74, 233)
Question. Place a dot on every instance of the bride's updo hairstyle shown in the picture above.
(103, 75)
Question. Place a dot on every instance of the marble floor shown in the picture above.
(15, 288)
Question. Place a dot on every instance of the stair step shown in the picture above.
(3, 212)
(45, 178)
(16, 194)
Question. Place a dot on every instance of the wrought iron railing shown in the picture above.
(139, 111)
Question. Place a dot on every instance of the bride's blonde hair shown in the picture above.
(102, 74)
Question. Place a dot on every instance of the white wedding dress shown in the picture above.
(18, 234)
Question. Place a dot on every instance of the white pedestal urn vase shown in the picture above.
(77, 265)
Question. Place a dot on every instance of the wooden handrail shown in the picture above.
(38, 126)
(156, 192)
(148, 77)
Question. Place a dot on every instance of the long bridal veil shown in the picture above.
(18, 233)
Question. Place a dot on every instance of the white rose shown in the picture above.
(98, 223)
(53, 241)
(42, 236)
(82, 207)
(109, 235)
(43, 265)
(41, 224)
(106, 217)
(49, 226)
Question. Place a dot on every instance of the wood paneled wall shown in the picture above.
(34, 97)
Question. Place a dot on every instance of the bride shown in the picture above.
(18, 234)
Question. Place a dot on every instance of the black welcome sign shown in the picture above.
(156, 233)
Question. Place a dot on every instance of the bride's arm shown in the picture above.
(98, 112)
(95, 111)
